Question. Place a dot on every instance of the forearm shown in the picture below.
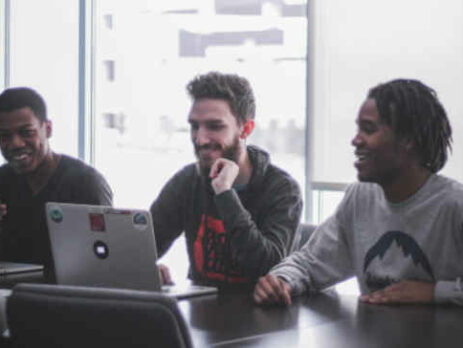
(294, 271)
(257, 249)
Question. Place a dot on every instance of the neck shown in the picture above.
(245, 165)
(41, 175)
(406, 185)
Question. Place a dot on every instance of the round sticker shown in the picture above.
(56, 214)
(140, 221)
(100, 249)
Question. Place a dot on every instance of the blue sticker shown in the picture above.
(56, 214)
(140, 219)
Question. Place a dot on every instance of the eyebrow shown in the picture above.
(26, 126)
(206, 122)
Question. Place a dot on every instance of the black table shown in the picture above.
(324, 320)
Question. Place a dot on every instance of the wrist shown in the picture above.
(218, 189)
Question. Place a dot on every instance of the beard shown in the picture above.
(231, 152)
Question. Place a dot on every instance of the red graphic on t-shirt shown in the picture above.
(210, 253)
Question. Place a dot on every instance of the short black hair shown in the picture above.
(20, 97)
(234, 89)
(415, 113)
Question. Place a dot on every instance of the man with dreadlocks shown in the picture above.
(400, 229)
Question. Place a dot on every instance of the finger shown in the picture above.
(167, 277)
(280, 289)
(286, 294)
(271, 288)
(260, 296)
(216, 168)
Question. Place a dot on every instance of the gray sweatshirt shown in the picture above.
(381, 243)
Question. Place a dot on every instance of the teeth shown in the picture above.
(20, 157)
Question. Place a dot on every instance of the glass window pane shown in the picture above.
(361, 43)
(44, 56)
(147, 51)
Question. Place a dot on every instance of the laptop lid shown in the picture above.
(9, 268)
(103, 246)
(108, 247)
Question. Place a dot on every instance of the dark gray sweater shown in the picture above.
(236, 236)
(23, 231)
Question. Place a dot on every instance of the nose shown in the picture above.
(16, 141)
(200, 136)
(356, 140)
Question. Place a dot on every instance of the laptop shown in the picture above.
(11, 268)
(108, 247)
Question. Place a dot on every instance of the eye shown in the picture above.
(368, 128)
(216, 126)
(26, 133)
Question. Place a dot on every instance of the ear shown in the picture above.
(48, 128)
(248, 127)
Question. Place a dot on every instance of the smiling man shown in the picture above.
(34, 175)
(400, 230)
(238, 211)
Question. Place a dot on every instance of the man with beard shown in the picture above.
(238, 211)
(34, 175)
(400, 230)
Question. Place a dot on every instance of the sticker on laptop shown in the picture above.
(140, 221)
(55, 213)
(97, 223)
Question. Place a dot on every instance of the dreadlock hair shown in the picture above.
(414, 113)
(234, 89)
(20, 97)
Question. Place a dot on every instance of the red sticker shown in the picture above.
(97, 222)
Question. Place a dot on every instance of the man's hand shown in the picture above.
(406, 291)
(272, 290)
(223, 174)
(164, 273)
(3, 210)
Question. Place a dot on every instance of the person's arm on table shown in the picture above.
(410, 291)
(405, 291)
(322, 262)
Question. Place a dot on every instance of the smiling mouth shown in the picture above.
(19, 159)
(361, 158)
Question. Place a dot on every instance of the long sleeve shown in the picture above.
(261, 239)
(322, 262)
(167, 215)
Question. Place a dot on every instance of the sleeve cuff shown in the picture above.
(448, 291)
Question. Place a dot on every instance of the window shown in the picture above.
(44, 55)
(157, 47)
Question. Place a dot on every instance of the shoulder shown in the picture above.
(75, 167)
(445, 190)
(278, 178)
(361, 196)
(185, 174)
(73, 171)
(183, 179)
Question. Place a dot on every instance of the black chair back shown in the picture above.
(50, 316)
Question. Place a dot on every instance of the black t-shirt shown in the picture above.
(23, 231)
